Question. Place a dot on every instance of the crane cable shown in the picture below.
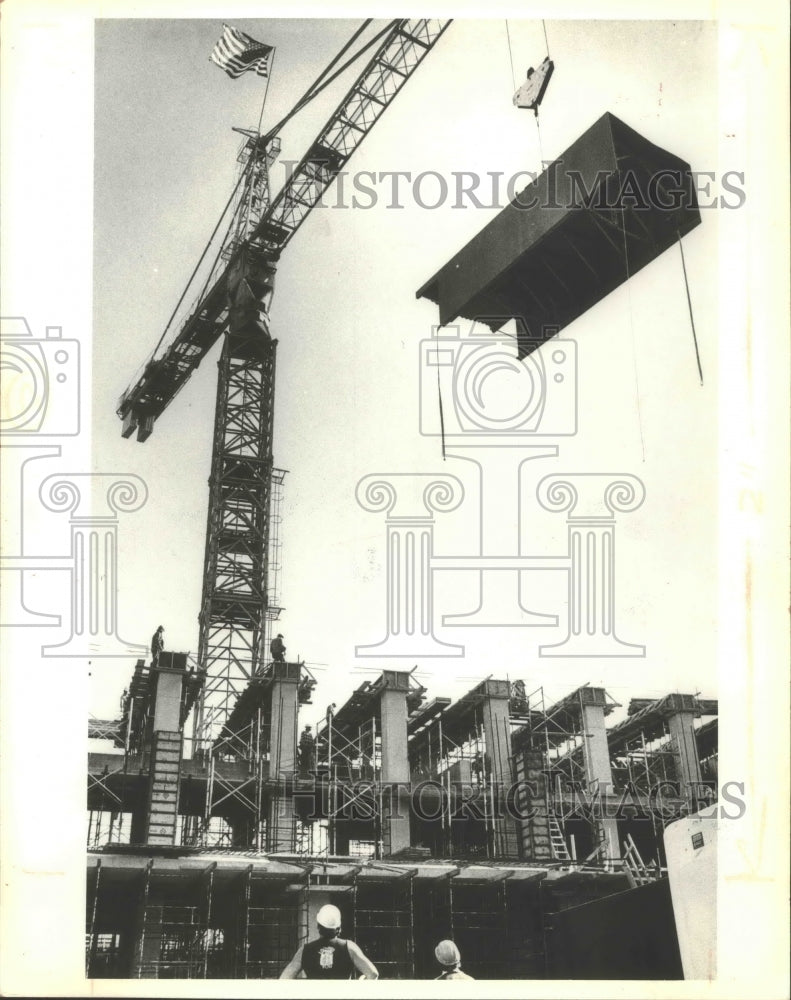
(538, 126)
(315, 88)
(689, 305)
(441, 415)
(242, 175)
(510, 53)
(312, 89)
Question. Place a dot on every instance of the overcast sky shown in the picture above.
(349, 329)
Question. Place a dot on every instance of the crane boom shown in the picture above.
(400, 53)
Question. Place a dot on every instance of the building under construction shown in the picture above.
(515, 827)
(506, 823)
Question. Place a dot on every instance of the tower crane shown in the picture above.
(234, 305)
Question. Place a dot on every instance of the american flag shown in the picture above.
(237, 52)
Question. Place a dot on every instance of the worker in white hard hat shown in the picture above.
(329, 956)
(448, 956)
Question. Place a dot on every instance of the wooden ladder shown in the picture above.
(560, 849)
(634, 862)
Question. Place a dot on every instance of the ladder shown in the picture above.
(634, 863)
(560, 849)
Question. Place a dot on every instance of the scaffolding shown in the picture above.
(448, 747)
(193, 917)
(233, 896)
(559, 732)
(646, 763)
(240, 784)
(383, 926)
(708, 753)
(275, 559)
(349, 770)
(643, 751)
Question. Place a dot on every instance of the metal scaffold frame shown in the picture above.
(240, 787)
(560, 729)
(353, 769)
(643, 763)
(385, 932)
(441, 756)
(275, 558)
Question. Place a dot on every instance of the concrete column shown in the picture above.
(167, 708)
(532, 803)
(395, 762)
(598, 772)
(497, 736)
(166, 747)
(281, 821)
(681, 723)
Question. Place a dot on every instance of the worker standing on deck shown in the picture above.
(157, 644)
(329, 956)
(278, 649)
(448, 956)
(307, 752)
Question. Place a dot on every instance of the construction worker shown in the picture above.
(307, 751)
(278, 649)
(448, 956)
(519, 695)
(157, 644)
(329, 956)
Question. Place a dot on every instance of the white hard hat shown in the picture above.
(447, 953)
(329, 916)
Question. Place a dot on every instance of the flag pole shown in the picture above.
(266, 90)
(255, 148)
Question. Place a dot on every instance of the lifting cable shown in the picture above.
(242, 175)
(538, 126)
(689, 305)
(315, 88)
(441, 416)
(510, 53)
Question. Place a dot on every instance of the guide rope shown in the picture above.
(689, 305)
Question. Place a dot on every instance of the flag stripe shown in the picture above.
(237, 53)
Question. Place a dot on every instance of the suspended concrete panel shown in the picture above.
(609, 205)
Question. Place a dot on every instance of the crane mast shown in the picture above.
(235, 604)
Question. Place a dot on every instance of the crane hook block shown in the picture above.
(532, 91)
